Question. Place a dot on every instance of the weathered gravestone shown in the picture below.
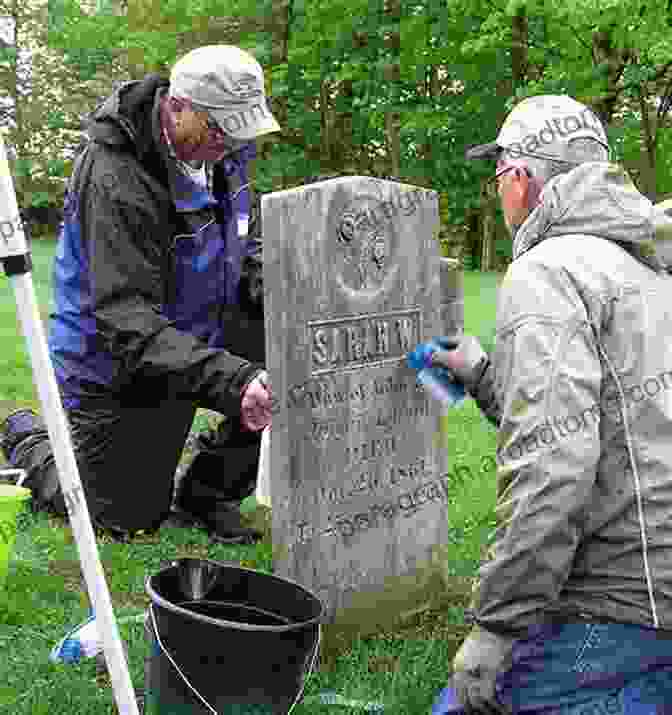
(357, 477)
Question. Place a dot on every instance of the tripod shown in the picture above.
(16, 261)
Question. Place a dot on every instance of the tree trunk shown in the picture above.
(472, 236)
(281, 18)
(489, 228)
(326, 143)
(279, 30)
(392, 126)
(18, 137)
(519, 47)
(519, 67)
(614, 59)
(649, 136)
(342, 150)
(392, 11)
(16, 95)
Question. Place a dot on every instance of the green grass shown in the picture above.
(43, 597)
(16, 382)
(480, 301)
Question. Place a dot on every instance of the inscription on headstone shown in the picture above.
(351, 274)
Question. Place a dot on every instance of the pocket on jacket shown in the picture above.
(585, 646)
(198, 276)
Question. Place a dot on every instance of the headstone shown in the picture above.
(452, 322)
(358, 480)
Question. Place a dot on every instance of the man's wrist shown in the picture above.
(476, 375)
(502, 631)
(254, 370)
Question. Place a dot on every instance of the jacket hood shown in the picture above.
(126, 118)
(599, 199)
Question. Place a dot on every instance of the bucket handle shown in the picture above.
(164, 650)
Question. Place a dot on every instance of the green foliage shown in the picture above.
(55, 119)
(504, 248)
(56, 167)
(41, 199)
(86, 61)
(8, 55)
(471, 262)
(455, 81)
(664, 164)
(22, 167)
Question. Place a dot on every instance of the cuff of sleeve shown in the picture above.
(505, 631)
(471, 385)
(245, 375)
(252, 371)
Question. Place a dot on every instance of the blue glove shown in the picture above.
(463, 357)
(438, 380)
(421, 357)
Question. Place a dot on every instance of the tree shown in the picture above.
(403, 87)
(615, 57)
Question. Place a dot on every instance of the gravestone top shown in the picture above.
(352, 284)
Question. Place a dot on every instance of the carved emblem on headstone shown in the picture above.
(366, 238)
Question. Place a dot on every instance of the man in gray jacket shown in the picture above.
(573, 607)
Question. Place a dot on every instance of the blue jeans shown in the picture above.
(587, 669)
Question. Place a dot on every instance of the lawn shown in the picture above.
(43, 599)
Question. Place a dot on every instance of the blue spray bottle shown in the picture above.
(436, 379)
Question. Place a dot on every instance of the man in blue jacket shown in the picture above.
(154, 313)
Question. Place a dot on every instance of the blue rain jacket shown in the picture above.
(146, 263)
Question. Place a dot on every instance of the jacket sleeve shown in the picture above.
(127, 292)
(548, 445)
(482, 389)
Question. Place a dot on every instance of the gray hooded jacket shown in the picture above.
(580, 386)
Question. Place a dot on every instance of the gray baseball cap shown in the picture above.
(543, 127)
(229, 83)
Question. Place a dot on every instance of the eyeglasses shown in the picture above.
(504, 170)
(220, 135)
(213, 126)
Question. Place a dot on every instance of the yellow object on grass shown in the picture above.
(12, 500)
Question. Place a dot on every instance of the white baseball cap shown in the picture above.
(229, 83)
(543, 127)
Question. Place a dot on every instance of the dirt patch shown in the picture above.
(69, 571)
(134, 600)
(70, 574)
(441, 621)
(202, 551)
(437, 625)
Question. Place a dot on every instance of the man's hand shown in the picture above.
(462, 357)
(481, 658)
(256, 404)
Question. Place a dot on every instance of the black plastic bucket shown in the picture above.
(228, 640)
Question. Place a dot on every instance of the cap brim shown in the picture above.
(244, 124)
(484, 151)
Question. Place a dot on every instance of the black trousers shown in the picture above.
(127, 456)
